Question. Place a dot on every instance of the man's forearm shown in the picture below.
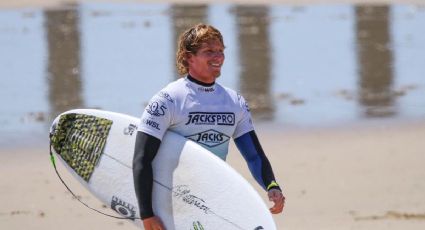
(260, 167)
(146, 148)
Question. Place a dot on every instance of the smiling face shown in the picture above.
(200, 53)
(205, 64)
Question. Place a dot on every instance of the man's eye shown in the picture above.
(212, 52)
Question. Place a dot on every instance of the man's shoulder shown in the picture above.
(173, 91)
(175, 85)
(231, 92)
(235, 95)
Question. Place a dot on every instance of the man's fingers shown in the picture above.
(153, 223)
(279, 201)
(277, 208)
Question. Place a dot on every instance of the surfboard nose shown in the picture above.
(53, 126)
(79, 139)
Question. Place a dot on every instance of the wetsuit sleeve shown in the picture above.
(250, 148)
(145, 150)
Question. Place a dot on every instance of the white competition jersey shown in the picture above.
(209, 116)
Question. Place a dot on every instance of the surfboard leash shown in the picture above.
(52, 159)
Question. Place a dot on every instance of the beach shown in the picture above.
(365, 175)
(362, 177)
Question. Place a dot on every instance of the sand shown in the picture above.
(368, 176)
(357, 177)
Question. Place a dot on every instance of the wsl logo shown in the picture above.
(202, 118)
(123, 208)
(206, 89)
(210, 138)
(151, 123)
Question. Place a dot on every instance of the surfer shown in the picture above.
(202, 110)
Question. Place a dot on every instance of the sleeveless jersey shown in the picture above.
(209, 115)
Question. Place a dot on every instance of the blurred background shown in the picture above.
(298, 66)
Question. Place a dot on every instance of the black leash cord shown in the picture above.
(52, 159)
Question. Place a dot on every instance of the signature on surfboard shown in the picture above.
(183, 192)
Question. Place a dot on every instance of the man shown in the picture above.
(197, 105)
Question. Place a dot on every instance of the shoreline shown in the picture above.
(4, 4)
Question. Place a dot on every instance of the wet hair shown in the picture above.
(191, 40)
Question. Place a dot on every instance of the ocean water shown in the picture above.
(309, 66)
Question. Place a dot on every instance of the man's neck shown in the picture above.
(199, 82)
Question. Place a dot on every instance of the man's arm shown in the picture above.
(250, 148)
(146, 148)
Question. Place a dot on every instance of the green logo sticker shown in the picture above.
(197, 225)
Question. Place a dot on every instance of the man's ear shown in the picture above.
(188, 57)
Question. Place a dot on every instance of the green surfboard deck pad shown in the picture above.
(80, 139)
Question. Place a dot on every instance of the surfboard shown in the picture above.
(193, 188)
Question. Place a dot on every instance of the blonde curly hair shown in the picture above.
(190, 41)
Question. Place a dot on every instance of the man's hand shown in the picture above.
(277, 197)
(153, 223)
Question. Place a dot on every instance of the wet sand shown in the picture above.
(361, 177)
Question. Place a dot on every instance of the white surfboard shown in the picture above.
(193, 189)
